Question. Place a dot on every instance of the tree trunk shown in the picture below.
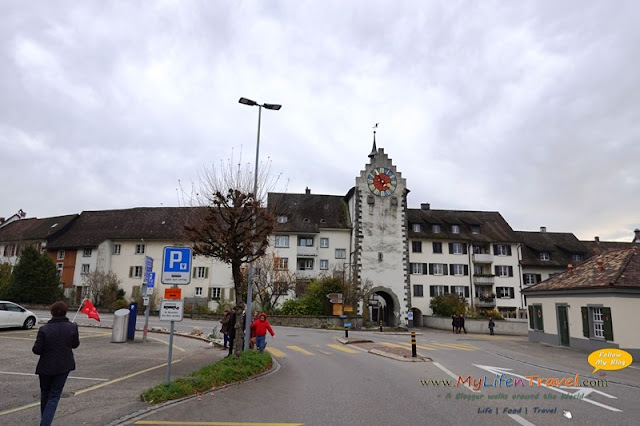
(238, 343)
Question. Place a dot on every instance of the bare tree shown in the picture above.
(272, 282)
(234, 227)
(102, 288)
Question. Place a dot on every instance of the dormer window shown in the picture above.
(415, 227)
(475, 229)
(455, 229)
(435, 229)
(577, 257)
(544, 256)
(283, 219)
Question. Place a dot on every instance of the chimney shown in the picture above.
(600, 263)
(596, 239)
(307, 190)
(425, 206)
(570, 268)
(543, 229)
(636, 239)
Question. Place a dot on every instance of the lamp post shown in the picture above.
(275, 107)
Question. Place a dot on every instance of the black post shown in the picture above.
(346, 332)
(414, 354)
(380, 326)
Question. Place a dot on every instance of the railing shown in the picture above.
(488, 280)
(485, 302)
(307, 251)
(482, 258)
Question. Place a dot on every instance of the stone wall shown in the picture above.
(508, 326)
(295, 321)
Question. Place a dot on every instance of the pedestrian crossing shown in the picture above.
(340, 349)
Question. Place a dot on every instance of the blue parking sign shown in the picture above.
(176, 265)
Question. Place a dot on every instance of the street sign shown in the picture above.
(347, 324)
(334, 296)
(339, 301)
(148, 267)
(145, 301)
(171, 310)
(176, 265)
(173, 293)
(410, 315)
(152, 280)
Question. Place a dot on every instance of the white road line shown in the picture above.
(521, 420)
(454, 376)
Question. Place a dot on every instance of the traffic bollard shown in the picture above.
(380, 326)
(346, 332)
(414, 354)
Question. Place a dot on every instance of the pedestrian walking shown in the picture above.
(491, 325)
(261, 326)
(461, 324)
(224, 329)
(453, 323)
(231, 330)
(55, 343)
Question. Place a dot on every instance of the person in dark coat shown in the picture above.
(55, 343)
(461, 324)
(491, 325)
(454, 320)
(225, 328)
(231, 330)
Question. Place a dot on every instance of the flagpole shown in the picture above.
(81, 305)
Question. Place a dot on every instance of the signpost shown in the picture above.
(176, 270)
(149, 280)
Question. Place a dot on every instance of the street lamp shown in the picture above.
(275, 107)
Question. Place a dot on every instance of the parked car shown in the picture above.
(14, 315)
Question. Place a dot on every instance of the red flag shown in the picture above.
(90, 310)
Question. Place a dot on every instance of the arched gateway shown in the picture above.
(383, 305)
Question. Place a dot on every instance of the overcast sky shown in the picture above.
(531, 109)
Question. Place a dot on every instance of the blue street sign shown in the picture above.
(148, 267)
(152, 280)
(176, 265)
(347, 324)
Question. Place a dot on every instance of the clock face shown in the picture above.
(382, 181)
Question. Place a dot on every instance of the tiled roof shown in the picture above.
(620, 269)
(598, 247)
(493, 227)
(149, 223)
(560, 246)
(309, 212)
(33, 229)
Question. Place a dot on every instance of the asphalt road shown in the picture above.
(320, 382)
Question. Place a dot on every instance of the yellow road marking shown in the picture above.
(325, 352)
(276, 352)
(128, 376)
(448, 346)
(24, 407)
(18, 338)
(166, 343)
(342, 348)
(299, 349)
(165, 422)
(84, 335)
(429, 348)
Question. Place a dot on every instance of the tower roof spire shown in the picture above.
(374, 150)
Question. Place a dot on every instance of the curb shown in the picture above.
(352, 340)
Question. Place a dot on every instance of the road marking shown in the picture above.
(325, 352)
(299, 349)
(428, 348)
(18, 338)
(24, 407)
(166, 343)
(446, 370)
(128, 376)
(342, 348)
(276, 352)
(460, 346)
(70, 377)
(521, 420)
(578, 390)
(165, 422)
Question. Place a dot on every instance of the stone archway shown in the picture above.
(417, 317)
(383, 304)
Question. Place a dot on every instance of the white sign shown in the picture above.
(171, 310)
(410, 315)
(176, 265)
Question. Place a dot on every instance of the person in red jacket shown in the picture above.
(261, 326)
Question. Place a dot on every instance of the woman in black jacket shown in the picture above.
(54, 344)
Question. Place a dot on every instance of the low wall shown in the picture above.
(508, 326)
(295, 321)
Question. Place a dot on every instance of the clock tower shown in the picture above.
(378, 206)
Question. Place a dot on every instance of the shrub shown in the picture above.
(448, 304)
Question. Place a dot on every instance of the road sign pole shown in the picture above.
(170, 349)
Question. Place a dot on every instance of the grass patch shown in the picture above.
(223, 372)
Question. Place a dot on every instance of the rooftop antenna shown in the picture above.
(374, 150)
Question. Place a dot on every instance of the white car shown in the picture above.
(13, 315)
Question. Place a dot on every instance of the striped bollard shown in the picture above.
(414, 353)
(380, 326)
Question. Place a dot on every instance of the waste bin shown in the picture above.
(133, 315)
(119, 330)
